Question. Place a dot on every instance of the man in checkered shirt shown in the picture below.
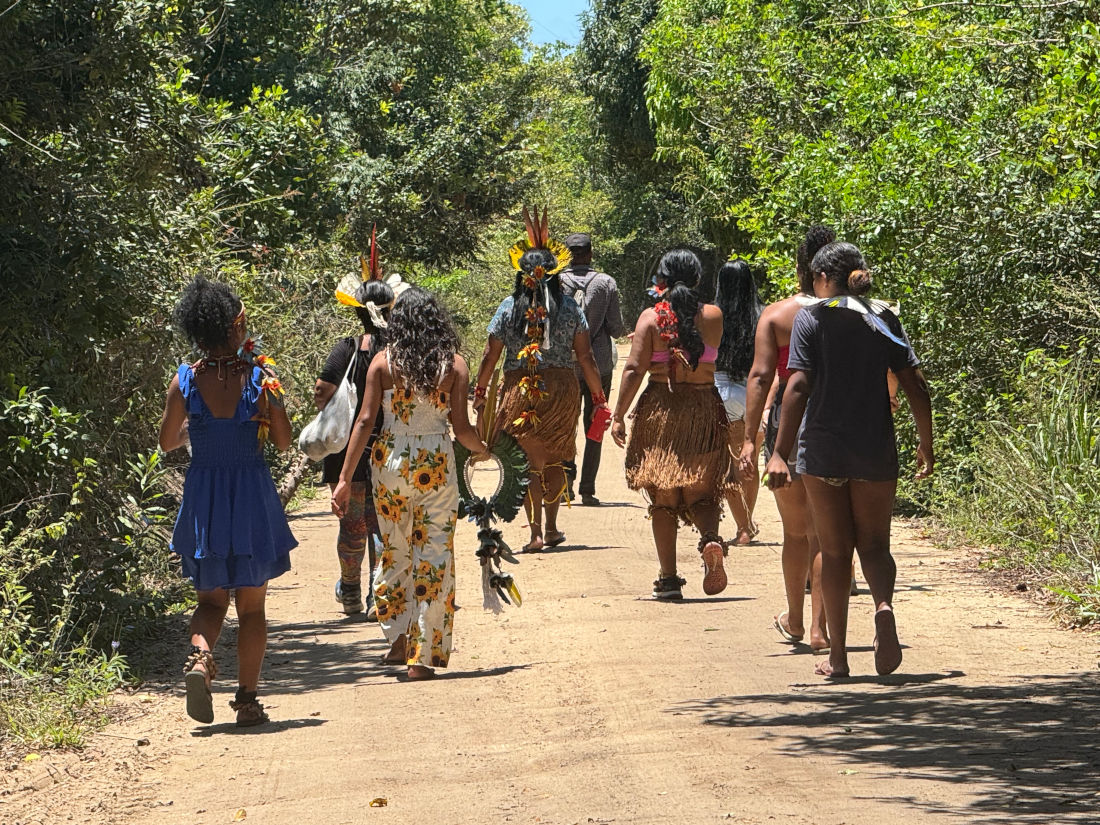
(598, 296)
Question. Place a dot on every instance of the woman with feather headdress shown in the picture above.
(372, 298)
(543, 333)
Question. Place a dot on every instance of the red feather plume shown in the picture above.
(375, 267)
(538, 229)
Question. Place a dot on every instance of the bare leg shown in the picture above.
(533, 503)
(553, 479)
(742, 501)
(872, 508)
(532, 506)
(794, 513)
(207, 620)
(705, 512)
(832, 516)
(206, 626)
(819, 634)
(396, 653)
(251, 635)
(664, 520)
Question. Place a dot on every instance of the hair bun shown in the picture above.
(859, 281)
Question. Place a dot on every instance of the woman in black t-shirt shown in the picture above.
(841, 350)
(359, 524)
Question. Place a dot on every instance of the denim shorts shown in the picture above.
(733, 395)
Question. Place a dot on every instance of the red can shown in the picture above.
(601, 419)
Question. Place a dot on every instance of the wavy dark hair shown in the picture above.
(205, 312)
(843, 264)
(741, 307)
(422, 340)
(376, 292)
(816, 237)
(681, 271)
(522, 297)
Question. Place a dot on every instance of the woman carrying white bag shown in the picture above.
(341, 385)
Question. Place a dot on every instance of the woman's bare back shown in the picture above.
(709, 323)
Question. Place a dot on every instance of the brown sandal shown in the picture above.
(396, 655)
(249, 711)
(713, 550)
(199, 672)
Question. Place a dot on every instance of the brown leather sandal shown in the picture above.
(249, 711)
(199, 672)
(713, 549)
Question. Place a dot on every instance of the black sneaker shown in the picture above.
(667, 588)
(350, 596)
(589, 500)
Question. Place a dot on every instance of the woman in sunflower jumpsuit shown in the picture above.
(415, 491)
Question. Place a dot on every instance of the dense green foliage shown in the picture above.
(258, 141)
(144, 141)
(648, 212)
(1036, 477)
(956, 143)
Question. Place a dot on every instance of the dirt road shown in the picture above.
(594, 704)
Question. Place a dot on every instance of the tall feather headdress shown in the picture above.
(370, 269)
(538, 237)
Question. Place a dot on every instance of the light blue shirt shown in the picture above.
(569, 321)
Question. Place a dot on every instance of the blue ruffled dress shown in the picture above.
(231, 530)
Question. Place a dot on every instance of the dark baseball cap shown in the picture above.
(578, 240)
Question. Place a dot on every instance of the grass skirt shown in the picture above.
(679, 438)
(556, 429)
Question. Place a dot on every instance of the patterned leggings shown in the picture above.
(359, 522)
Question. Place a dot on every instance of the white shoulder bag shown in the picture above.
(329, 432)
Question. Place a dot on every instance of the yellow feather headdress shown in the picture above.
(370, 269)
(538, 237)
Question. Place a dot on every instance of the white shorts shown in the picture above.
(733, 395)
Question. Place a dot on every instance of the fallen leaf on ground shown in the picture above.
(241, 814)
(31, 757)
(379, 802)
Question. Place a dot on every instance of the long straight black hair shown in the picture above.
(523, 298)
(741, 307)
(681, 271)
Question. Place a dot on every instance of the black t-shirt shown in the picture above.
(333, 373)
(849, 429)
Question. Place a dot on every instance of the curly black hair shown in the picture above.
(205, 313)
(422, 340)
(843, 263)
(377, 293)
(681, 271)
(741, 307)
(816, 237)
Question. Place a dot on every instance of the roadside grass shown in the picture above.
(57, 708)
(1035, 498)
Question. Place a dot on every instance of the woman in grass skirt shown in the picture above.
(678, 452)
(545, 333)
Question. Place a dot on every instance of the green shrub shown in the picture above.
(1036, 481)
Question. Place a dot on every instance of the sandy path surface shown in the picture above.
(594, 704)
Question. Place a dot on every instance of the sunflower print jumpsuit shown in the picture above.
(416, 496)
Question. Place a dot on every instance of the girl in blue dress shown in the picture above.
(231, 533)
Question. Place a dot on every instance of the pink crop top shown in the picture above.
(709, 356)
